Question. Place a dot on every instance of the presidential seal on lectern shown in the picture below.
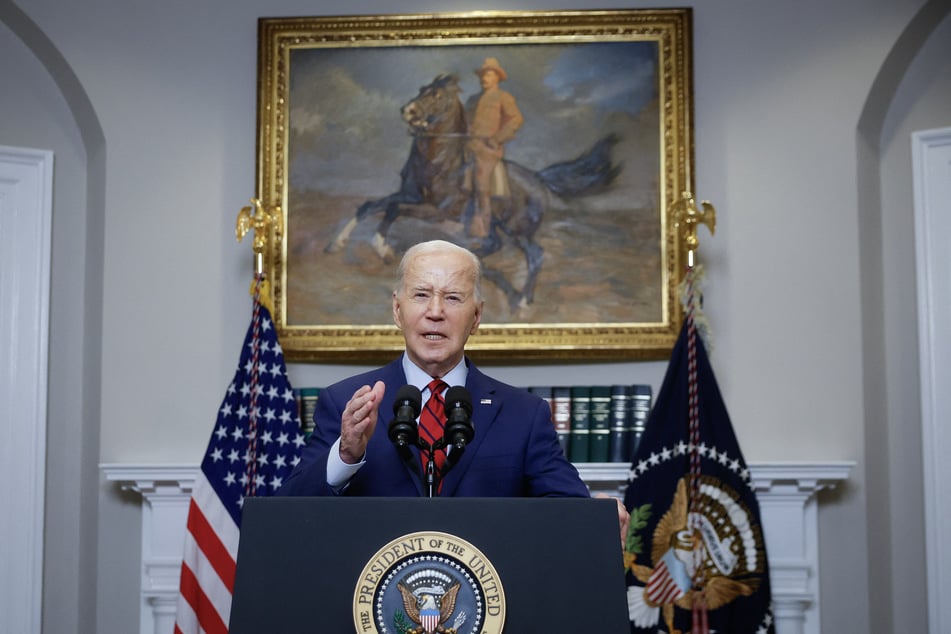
(429, 583)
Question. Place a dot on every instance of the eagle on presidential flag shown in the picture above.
(694, 555)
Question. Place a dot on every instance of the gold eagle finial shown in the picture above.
(687, 216)
(261, 220)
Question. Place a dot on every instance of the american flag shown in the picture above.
(255, 444)
(668, 582)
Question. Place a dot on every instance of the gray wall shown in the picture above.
(44, 106)
(922, 101)
(802, 114)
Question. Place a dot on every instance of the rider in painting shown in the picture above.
(494, 118)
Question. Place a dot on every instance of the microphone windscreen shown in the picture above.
(458, 396)
(409, 395)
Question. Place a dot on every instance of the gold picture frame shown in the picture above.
(573, 276)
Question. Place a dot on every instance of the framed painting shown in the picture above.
(372, 134)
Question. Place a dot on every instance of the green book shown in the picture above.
(641, 407)
(621, 423)
(579, 449)
(599, 443)
(307, 402)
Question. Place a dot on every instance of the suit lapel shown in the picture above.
(485, 411)
(394, 378)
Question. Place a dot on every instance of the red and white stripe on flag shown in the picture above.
(208, 566)
(429, 619)
(661, 586)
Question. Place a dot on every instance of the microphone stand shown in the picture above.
(432, 482)
(457, 433)
(430, 476)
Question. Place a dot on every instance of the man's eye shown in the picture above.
(455, 299)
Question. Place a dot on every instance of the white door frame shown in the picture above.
(26, 193)
(931, 164)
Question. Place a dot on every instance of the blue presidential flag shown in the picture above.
(694, 554)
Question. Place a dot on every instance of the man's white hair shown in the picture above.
(440, 246)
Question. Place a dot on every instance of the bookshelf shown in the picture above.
(614, 414)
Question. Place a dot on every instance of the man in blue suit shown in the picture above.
(515, 452)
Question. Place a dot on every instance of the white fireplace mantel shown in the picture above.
(786, 492)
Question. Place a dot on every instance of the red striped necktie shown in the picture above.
(432, 421)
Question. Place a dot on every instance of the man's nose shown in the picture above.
(436, 305)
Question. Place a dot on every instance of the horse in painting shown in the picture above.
(434, 187)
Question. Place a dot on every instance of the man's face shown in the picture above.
(489, 79)
(436, 309)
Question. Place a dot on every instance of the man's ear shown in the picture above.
(478, 318)
(396, 311)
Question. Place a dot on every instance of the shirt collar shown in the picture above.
(415, 376)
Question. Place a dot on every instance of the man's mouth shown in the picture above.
(433, 336)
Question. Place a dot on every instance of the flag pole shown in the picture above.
(686, 218)
(689, 491)
(258, 407)
(262, 221)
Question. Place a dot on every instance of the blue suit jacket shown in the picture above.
(515, 451)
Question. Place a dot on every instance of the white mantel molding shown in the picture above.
(786, 492)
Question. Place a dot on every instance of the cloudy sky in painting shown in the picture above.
(346, 135)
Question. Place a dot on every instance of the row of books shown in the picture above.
(598, 423)
(595, 423)
(306, 398)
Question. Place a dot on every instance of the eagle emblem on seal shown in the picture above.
(732, 556)
(428, 608)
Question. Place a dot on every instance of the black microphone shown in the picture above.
(459, 431)
(402, 430)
